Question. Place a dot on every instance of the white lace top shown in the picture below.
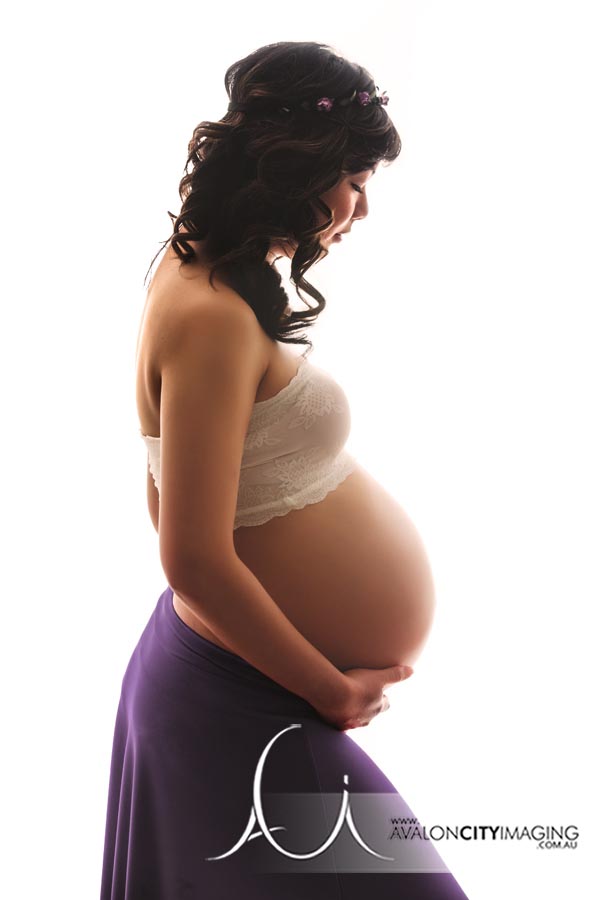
(294, 447)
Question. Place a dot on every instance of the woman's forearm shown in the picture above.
(239, 611)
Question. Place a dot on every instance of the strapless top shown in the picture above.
(294, 449)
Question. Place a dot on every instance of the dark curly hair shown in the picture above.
(258, 173)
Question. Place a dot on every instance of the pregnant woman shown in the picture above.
(297, 588)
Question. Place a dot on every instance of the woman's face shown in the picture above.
(347, 202)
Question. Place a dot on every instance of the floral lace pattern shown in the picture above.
(259, 503)
(319, 402)
(293, 451)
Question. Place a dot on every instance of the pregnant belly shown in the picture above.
(350, 572)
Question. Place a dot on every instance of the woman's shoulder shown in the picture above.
(181, 298)
(188, 287)
(183, 315)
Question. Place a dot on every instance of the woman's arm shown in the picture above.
(237, 608)
(212, 361)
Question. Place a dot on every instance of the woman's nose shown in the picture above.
(361, 210)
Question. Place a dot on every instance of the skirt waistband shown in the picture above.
(200, 651)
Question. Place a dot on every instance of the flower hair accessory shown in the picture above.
(363, 98)
(323, 104)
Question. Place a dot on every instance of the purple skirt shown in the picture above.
(225, 784)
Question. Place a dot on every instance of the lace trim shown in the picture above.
(272, 508)
(309, 396)
(311, 493)
(154, 466)
(263, 410)
(259, 405)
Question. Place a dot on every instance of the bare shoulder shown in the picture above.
(184, 319)
(185, 304)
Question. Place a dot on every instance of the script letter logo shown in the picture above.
(256, 813)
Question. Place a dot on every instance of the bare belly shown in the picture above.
(350, 572)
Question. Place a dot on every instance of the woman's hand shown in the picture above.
(364, 698)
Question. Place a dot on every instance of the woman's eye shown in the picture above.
(357, 188)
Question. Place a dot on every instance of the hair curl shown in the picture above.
(258, 173)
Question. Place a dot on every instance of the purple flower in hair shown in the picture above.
(363, 98)
(325, 103)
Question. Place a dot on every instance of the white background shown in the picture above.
(461, 321)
